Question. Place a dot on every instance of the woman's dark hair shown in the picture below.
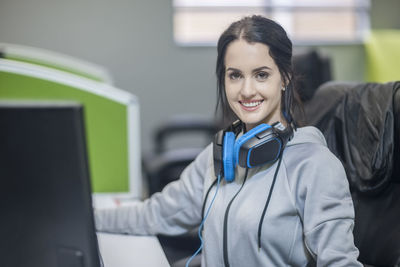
(258, 29)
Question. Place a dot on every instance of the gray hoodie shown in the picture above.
(309, 220)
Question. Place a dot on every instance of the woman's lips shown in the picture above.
(250, 105)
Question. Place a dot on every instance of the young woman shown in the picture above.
(265, 192)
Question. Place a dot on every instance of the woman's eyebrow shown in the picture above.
(233, 69)
(255, 70)
(261, 68)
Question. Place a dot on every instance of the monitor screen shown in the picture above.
(45, 193)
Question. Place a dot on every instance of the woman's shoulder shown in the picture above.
(308, 142)
(308, 152)
(307, 134)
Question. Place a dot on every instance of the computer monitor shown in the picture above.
(45, 194)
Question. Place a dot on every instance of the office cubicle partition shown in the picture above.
(112, 120)
(55, 60)
(382, 55)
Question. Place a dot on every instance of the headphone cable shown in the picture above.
(206, 197)
(218, 180)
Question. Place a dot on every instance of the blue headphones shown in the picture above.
(261, 145)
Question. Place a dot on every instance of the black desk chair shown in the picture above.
(361, 125)
(166, 162)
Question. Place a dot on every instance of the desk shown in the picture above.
(128, 251)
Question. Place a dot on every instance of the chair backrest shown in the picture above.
(165, 164)
(360, 123)
(183, 124)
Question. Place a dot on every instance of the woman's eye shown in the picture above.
(262, 75)
(234, 75)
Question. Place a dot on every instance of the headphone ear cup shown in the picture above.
(228, 156)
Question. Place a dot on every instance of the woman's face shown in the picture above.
(253, 83)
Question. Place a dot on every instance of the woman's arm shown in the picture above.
(175, 210)
(328, 212)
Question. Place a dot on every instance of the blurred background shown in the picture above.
(134, 40)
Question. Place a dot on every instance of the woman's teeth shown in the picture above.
(251, 104)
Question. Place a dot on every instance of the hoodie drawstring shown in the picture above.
(267, 203)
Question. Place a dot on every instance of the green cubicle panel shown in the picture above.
(54, 60)
(383, 56)
(111, 120)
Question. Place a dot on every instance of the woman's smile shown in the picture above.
(250, 105)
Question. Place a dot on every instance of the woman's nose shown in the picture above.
(247, 90)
